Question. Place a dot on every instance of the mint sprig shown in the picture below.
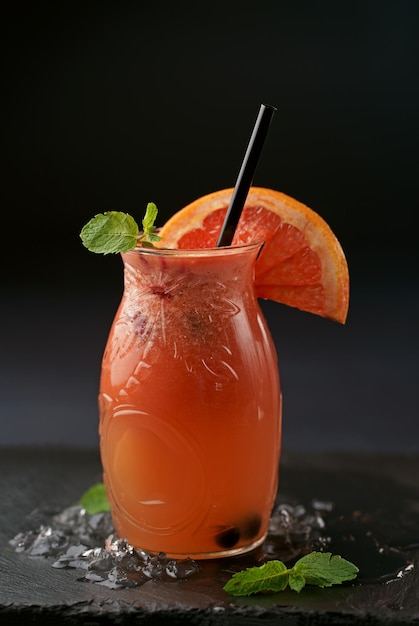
(317, 568)
(114, 231)
(149, 235)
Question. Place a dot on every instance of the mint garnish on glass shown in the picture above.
(317, 568)
(114, 231)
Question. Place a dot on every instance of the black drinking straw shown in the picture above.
(245, 177)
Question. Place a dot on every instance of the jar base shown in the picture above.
(217, 554)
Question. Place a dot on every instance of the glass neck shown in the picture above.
(165, 272)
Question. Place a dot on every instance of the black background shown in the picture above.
(110, 105)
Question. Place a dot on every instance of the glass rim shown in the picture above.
(197, 252)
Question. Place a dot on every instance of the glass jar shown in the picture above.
(190, 404)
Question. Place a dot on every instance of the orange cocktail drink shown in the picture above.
(190, 404)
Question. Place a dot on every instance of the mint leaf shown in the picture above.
(95, 500)
(296, 581)
(149, 235)
(110, 232)
(272, 576)
(114, 231)
(152, 237)
(317, 568)
(149, 217)
(324, 570)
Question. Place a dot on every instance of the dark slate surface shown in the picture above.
(385, 487)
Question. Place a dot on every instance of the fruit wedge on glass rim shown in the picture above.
(302, 263)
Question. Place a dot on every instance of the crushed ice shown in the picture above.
(88, 542)
(295, 530)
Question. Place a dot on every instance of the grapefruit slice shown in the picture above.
(301, 263)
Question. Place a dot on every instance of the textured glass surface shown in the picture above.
(190, 405)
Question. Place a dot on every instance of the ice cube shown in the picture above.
(181, 569)
(49, 542)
